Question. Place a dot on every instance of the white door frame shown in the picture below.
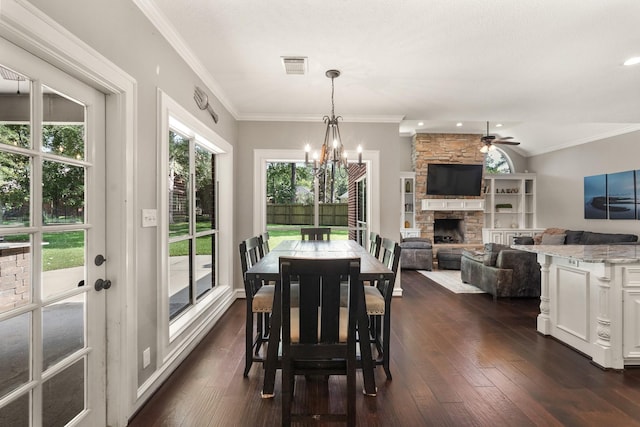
(262, 156)
(27, 27)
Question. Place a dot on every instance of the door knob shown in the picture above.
(102, 284)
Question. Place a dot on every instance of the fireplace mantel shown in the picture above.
(452, 204)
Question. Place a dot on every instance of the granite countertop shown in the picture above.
(614, 254)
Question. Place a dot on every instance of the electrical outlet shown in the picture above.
(149, 218)
(146, 357)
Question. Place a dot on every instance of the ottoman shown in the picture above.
(416, 254)
(449, 259)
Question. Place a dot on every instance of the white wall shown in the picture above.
(560, 182)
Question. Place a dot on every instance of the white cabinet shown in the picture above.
(510, 207)
(408, 205)
(505, 236)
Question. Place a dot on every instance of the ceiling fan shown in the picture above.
(488, 141)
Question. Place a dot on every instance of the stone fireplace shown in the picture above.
(464, 226)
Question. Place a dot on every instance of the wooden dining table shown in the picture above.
(267, 269)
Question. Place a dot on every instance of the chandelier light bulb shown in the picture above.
(307, 150)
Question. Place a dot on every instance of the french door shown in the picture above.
(53, 275)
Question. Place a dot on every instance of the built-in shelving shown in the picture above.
(510, 207)
(408, 205)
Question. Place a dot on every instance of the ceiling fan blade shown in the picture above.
(501, 141)
(505, 137)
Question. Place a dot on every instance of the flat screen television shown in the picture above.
(450, 179)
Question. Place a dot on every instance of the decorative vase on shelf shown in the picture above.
(407, 224)
(407, 187)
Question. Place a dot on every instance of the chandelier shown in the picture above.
(332, 151)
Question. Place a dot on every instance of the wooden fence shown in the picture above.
(296, 214)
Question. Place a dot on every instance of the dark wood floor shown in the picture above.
(457, 360)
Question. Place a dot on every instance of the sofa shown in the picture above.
(501, 271)
(416, 254)
(559, 236)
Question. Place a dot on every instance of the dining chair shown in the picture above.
(259, 301)
(319, 336)
(374, 244)
(321, 233)
(378, 303)
(264, 241)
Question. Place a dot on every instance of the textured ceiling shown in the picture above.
(550, 70)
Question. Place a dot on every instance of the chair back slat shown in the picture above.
(317, 233)
(374, 244)
(319, 300)
(264, 241)
(390, 257)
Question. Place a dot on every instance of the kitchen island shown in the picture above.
(590, 300)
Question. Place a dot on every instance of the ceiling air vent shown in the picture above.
(295, 64)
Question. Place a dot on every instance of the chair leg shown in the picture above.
(248, 341)
(259, 332)
(287, 393)
(386, 335)
(351, 393)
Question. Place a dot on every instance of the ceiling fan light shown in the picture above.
(484, 149)
(492, 147)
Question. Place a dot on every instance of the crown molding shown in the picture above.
(586, 140)
(168, 31)
(316, 118)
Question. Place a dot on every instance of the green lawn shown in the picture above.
(278, 233)
(66, 249)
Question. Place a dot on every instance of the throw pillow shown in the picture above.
(574, 237)
(537, 239)
(523, 240)
(553, 239)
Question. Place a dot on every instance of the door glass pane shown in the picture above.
(63, 395)
(63, 261)
(204, 264)
(205, 196)
(14, 353)
(15, 109)
(62, 329)
(62, 193)
(179, 283)
(64, 131)
(178, 185)
(15, 184)
(16, 413)
(15, 271)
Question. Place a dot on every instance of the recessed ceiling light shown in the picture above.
(459, 124)
(632, 61)
(420, 123)
(498, 125)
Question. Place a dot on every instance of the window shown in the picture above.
(192, 229)
(497, 161)
(195, 225)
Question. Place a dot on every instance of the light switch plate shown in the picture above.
(149, 218)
